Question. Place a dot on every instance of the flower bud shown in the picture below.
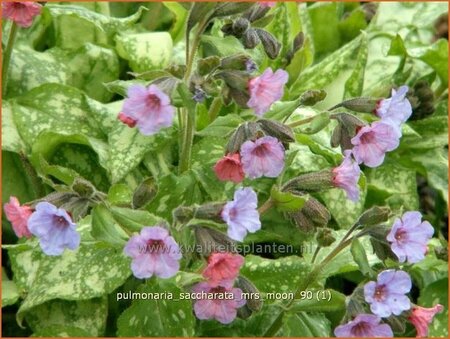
(441, 27)
(210, 211)
(183, 214)
(240, 26)
(235, 79)
(209, 240)
(311, 216)
(370, 9)
(312, 97)
(231, 8)
(246, 131)
(277, 130)
(422, 100)
(374, 216)
(235, 62)
(83, 187)
(144, 193)
(271, 45)
(345, 130)
(206, 65)
(250, 39)
(227, 29)
(256, 13)
(314, 181)
(363, 105)
(324, 237)
(298, 42)
(254, 301)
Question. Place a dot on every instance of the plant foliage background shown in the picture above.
(68, 77)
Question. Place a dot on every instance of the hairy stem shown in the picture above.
(301, 122)
(7, 56)
(266, 206)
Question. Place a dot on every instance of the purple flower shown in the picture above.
(364, 325)
(387, 295)
(250, 66)
(218, 303)
(241, 214)
(372, 142)
(266, 89)
(154, 252)
(149, 107)
(395, 110)
(54, 228)
(262, 157)
(346, 176)
(409, 237)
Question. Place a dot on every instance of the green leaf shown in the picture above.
(321, 301)
(11, 139)
(10, 293)
(158, 317)
(287, 201)
(134, 220)
(398, 182)
(281, 110)
(437, 58)
(105, 228)
(222, 126)
(436, 293)
(91, 271)
(74, 25)
(120, 194)
(397, 47)
(351, 26)
(56, 331)
(275, 276)
(88, 316)
(354, 84)
(145, 51)
(360, 257)
(178, 28)
(305, 325)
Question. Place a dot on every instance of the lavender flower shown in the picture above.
(396, 109)
(346, 176)
(266, 89)
(387, 295)
(241, 214)
(364, 325)
(54, 228)
(262, 157)
(149, 107)
(372, 142)
(154, 252)
(409, 237)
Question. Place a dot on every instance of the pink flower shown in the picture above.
(267, 3)
(263, 157)
(230, 168)
(18, 217)
(154, 252)
(409, 237)
(346, 176)
(372, 142)
(149, 107)
(396, 109)
(241, 214)
(218, 303)
(130, 122)
(421, 317)
(22, 13)
(266, 89)
(223, 268)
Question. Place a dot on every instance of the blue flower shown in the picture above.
(396, 109)
(54, 228)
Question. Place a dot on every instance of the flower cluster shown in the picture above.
(387, 295)
(221, 272)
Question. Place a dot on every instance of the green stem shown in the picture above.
(7, 56)
(214, 109)
(301, 122)
(188, 129)
(276, 325)
(316, 252)
(266, 206)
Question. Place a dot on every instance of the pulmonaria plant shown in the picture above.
(266, 89)
(18, 217)
(409, 237)
(147, 108)
(21, 12)
(241, 214)
(153, 252)
(387, 296)
(54, 228)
